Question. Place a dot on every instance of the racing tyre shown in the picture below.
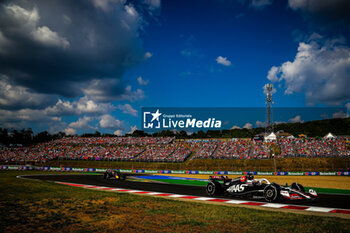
(213, 188)
(105, 176)
(272, 193)
(298, 187)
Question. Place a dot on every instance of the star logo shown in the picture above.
(151, 120)
(156, 115)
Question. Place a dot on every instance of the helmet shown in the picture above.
(250, 177)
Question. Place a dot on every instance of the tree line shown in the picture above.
(311, 128)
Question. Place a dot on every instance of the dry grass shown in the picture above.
(40, 206)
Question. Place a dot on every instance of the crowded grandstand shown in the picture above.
(169, 149)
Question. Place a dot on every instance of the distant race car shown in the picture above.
(247, 186)
(114, 174)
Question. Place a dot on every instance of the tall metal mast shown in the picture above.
(269, 103)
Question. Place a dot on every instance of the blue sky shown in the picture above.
(91, 65)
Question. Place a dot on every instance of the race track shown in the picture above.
(325, 200)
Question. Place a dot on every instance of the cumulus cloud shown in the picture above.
(70, 131)
(260, 124)
(142, 82)
(19, 118)
(148, 55)
(296, 119)
(332, 10)
(62, 47)
(118, 132)
(247, 126)
(82, 106)
(109, 90)
(109, 122)
(319, 69)
(50, 38)
(13, 96)
(340, 114)
(128, 109)
(132, 129)
(153, 4)
(235, 127)
(272, 75)
(223, 61)
(259, 4)
(131, 95)
(82, 123)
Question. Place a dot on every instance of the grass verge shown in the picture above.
(40, 206)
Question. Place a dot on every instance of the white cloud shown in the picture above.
(131, 11)
(51, 56)
(153, 4)
(247, 126)
(235, 127)
(26, 115)
(16, 97)
(70, 131)
(132, 129)
(340, 114)
(22, 17)
(72, 49)
(148, 55)
(83, 106)
(118, 132)
(28, 20)
(259, 4)
(296, 119)
(272, 75)
(223, 61)
(131, 95)
(50, 38)
(109, 122)
(82, 123)
(109, 90)
(142, 82)
(279, 122)
(107, 5)
(128, 109)
(319, 69)
(260, 124)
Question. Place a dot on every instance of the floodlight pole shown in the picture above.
(269, 103)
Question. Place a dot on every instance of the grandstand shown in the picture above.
(168, 149)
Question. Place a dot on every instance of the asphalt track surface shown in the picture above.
(325, 200)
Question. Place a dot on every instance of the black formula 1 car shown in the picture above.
(114, 174)
(247, 186)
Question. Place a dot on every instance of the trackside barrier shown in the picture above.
(192, 172)
(73, 169)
